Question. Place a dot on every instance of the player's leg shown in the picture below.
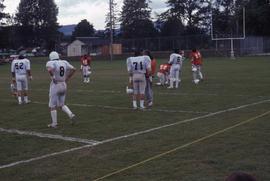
(194, 73)
(88, 74)
(147, 91)
(142, 85)
(172, 77)
(61, 97)
(135, 93)
(177, 80)
(151, 94)
(200, 72)
(25, 92)
(84, 74)
(19, 89)
(53, 106)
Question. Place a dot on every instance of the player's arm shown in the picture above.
(13, 72)
(28, 68)
(72, 71)
(171, 59)
(148, 67)
(50, 69)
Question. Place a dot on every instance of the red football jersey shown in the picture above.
(164, 68)
(196, 58)
(86, 60)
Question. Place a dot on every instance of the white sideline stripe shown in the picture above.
(126, 108)
(123, 108)
(133, 134)
(50, 136)
(157, 93)
(43, 157)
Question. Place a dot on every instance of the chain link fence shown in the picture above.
(251, 45)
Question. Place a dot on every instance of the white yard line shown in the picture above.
(43, 156)
(50, 136)
(120, 108)
(133, 134)
(156, 93)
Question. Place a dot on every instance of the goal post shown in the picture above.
(229, 38)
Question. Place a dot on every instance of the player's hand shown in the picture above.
(30, 77)
(13, 80)
(150, 79)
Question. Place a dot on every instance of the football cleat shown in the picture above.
(73, 119)
(196, 81)
(27, 102)
(150, 104)
(52, 126)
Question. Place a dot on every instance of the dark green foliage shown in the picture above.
(83, 29)
(193, 14)
(37, 21)
(135, 19)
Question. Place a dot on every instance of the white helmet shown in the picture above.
(129, 90)
(54, 56)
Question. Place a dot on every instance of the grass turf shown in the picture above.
(228, 83)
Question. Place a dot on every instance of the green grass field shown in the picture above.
(195, 133)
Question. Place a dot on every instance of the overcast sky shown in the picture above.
(73, 11)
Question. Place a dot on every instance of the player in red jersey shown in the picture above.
(86, 68)
(163, 74)
(196, 65)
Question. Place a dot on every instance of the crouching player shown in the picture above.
(60, 72)
(86, 68)
(137, 67)
(163, 74)
(196, 66)
(20, 71)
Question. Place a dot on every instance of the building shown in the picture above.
(91, 45)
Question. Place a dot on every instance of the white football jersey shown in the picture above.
(138, 65)
(175, 59)
(60, 69)
(20, 66)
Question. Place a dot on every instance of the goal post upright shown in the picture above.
(231, 39)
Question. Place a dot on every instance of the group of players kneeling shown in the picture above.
(141, 68)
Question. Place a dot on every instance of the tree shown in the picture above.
(172, 27)
(257, 17)
(135, 19)
(83, 29)
(192, 13)
(112, 19)
(2, 7)
(37, 21)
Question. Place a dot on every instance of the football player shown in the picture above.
(138, 66)
(86, 68)
(21, 72)
(196, 65)
(163, 74)
(149, 79)
(176, 60)
(60, 72)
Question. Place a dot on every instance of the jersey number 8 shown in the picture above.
(62, 71)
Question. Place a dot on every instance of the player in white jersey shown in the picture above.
(138, 66)
(60, 71)
(21, 72)
(175, 61)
